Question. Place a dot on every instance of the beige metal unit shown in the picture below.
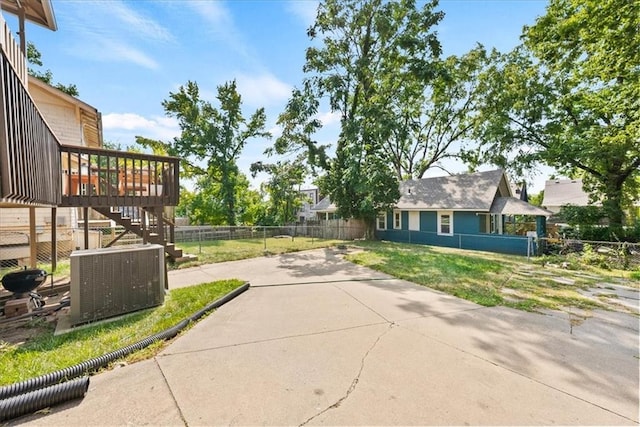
(112, 281)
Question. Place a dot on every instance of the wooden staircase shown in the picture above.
(149, 224)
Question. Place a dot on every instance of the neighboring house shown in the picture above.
(51, 159)
(325, 210)
(310, 200)
(468, 211)
(561, 192)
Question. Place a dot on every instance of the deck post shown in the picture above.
(54, 239)
(85, 214)
(33, 241)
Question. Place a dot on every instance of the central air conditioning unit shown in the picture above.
(112, 281)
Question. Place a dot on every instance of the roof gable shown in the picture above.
(325, 205)
(474, 191)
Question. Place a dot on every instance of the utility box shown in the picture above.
(112, 281)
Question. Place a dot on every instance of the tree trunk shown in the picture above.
(612, 205)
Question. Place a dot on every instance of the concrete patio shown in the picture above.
(317, 340)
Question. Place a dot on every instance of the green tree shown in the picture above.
(212, 139)
(364, 52)
(35, 58)
(282, 189)
(569, 97)
(299, 122)
(428, 121)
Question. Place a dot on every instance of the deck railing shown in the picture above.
(13, 53)
(94, 177)
(29, 163)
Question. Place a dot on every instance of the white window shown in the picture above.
(445, 223)
(381, 221)
(414, 221)
(397, 220)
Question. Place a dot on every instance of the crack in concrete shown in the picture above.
(173, 396)
(355, 381)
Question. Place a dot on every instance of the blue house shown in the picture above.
(470, 211)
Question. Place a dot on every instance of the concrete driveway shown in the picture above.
(317, 340)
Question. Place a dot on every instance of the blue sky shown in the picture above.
(126, 56)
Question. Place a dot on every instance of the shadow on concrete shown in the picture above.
(598, 361)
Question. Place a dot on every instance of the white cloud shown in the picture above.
(220, 23)
(275, 131)
(112, 50)
(305, 10)
(329, 118)
(263, 90)
(131, 124)
(137, 24)
(111, 31)
(212, 11)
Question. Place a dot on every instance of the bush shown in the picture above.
(591, 257)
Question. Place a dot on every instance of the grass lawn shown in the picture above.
(213, 251)
(486, 278)
(45, 353)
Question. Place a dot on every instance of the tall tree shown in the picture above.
(365, 50)
(35, 58)
(299, 122)
(569, 97)
(212, 138)
(283, 189)
(428, 122)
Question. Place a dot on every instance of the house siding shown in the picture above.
(404, 215)
(466, 228)
(428, 221)
(466, 223)
(60, 116)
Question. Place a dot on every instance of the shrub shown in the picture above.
(591, 257)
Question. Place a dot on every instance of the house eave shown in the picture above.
(40, 12)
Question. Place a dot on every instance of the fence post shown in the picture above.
(264, 237)
(199, 240)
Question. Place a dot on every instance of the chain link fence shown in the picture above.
(52, 254)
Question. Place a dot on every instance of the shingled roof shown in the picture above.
(481, 192)
(560, 192)
(473, 192)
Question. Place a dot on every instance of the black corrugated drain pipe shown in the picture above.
(9, 405)
(42, 398)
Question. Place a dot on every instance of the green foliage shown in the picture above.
(204, 207)
(35, 58)
(283, 190)
(591, 257)
(210, 143)
(426, 120)
(568, 97)
(582, 215)
(299, 122)
(363, 52)
(536, 199)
